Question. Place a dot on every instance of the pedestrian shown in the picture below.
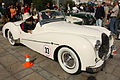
(4, 13)
(86, 8)
(99, 15)
(48, 6)
(106, 8)
(21, 10)
(68, 9)
(103, 4)
(17, 7)
(75, 9)
(33, 10)
(62, 8)
(81, 8)
(9, 14)
(13, 13)
(113, 19)
(26, 9)
(55, 7)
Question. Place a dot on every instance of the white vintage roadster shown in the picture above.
(76, 47)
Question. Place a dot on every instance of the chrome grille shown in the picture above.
(104, 48)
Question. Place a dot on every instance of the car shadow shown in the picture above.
(1, 28)
(19, 44)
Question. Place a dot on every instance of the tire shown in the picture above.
(10, 38)
(69, 60)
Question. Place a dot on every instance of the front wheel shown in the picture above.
(10, 38)
(69, 60)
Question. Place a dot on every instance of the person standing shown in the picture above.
(106, 13)
(48, 6)
(33, 10)
(17, 7)
(26, 9)
(4, 13)
(99, 15)
(13, 13)
(75, 9)
(55, 7)
(113, 18)
(62, 8)
(68, 8)
(21, 11)
(81, 7)
(86, 8)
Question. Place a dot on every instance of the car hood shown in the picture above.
(65, 27)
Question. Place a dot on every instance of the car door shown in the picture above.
(37, 40)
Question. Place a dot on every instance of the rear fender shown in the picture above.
(13, 29)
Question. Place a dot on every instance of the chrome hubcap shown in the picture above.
(68, 60)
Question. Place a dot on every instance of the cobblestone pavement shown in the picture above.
(12, 59)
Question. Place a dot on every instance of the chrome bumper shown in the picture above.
(95, 69)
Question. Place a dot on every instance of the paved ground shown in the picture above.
(12, 59)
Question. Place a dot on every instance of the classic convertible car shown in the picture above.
(87, 17)
(76, 47)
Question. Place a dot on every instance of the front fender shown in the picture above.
(13, 29)
(82, 47)
(101, 29)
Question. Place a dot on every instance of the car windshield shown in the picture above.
(51, 16)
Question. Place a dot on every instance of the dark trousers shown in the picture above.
(114, 25)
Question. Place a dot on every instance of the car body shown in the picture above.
(87, 17)
(76, 47)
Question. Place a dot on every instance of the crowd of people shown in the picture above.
(102, 12)
(14, 12)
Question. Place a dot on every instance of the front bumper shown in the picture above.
(101, 63)
(94, 69)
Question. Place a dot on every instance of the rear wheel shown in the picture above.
(69, 60)
(10, 38)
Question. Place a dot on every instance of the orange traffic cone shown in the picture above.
(27, 62)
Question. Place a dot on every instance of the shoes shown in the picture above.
(115, 36)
